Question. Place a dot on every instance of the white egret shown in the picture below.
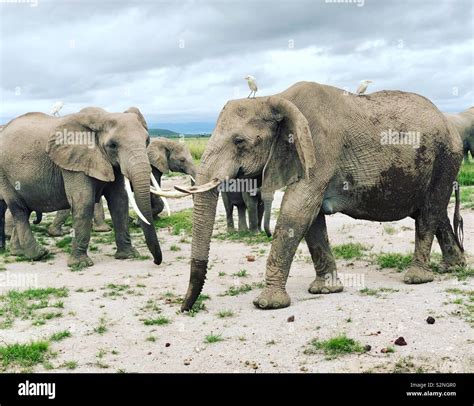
(252, 82)
(56, 107)
(363, 87)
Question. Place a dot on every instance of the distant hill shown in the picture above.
(160, 132)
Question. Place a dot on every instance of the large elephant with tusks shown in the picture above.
(380, 157)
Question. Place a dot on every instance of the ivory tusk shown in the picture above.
(199, 189)
(134, 203)
(192, 179)
(158, 189)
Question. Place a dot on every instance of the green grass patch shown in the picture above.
(196, 146)
(349, 251)
(335, 346)
(159, 321)
(240, 289)
(466, 175)
(175, 248)
(65, 244)
(60, 335)
(26, 305)
(213, 338)
(241, 274)
(394, 260)
(223, 314)
(23, 355)
(180, 222)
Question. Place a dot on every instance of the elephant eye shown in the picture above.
(112, 145)
(239, 141)
(148, 141)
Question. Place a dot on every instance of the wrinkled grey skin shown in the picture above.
(166, 155)
(325, 146)
(256, 206)
(464, 123)
(44, 173)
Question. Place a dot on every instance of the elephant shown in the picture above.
(464, 123)
(167, 155)
(258, 207)
(9, 221)
(382, 157)
(99, 224)
(69, 162)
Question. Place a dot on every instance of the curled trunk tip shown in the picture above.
(196, 283)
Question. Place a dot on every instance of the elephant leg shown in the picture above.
(452, 254)
(229, 212)
(22, 241)
(55, 229)
(252, 207)
(3, 209)
(117, 201)
(241, 210)
(419, 270)
(81, 196)
(299, 207)
(100, 225)
(8, 223)
(317, 240)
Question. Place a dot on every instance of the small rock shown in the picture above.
(430, 320)
(400, 341)
(384, 350)
(290, 319)
(367, 347)
(304, 369)
(167, 344)
(149, 353)
(250, 258)
(187, 362)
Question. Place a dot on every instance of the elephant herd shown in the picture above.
(381, 157)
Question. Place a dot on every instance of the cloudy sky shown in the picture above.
(180, 61)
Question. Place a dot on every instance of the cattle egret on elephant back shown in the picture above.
(363, 87)
(252, 82)
(56, 107)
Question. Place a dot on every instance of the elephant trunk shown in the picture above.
(141, 187)
(267, 204)
(204, 214)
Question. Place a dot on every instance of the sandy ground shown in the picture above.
(251, 340)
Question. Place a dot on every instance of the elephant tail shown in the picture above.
(457, 220)
(39, 217)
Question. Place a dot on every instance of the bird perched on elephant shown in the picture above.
(69, 162)
(332, 152)
(257, 207)
(464, 123)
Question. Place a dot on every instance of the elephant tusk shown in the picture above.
(158, 188)
(199, 189)
(168, 193)
(134, 203)
(192, 179)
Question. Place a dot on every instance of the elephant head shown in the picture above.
(264, 138)
(103, 145)
(167, 155)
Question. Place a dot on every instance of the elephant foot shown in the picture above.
(56, 231)
(102, 228)
(127, 253)
(417, 274)
(272, 298)
(35, 253)
(326, 284)
(79, 262)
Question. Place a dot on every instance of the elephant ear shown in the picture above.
(158, 155)
(140, 116)
(73, 145)
(292, 153)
